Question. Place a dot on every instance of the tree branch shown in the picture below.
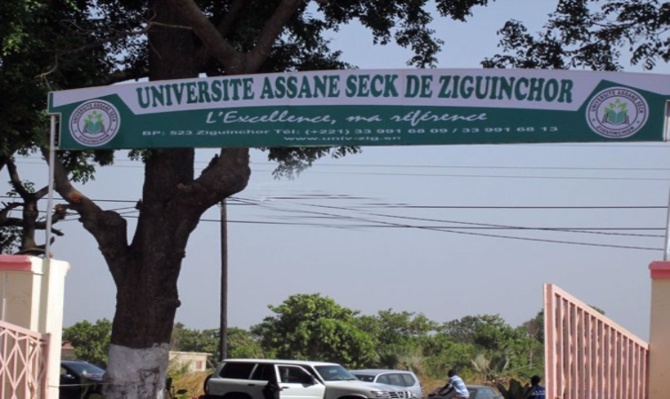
(16, 180)
(39, 194)
(272, 29)
(224, 26)
(226, 174)
(5, 211)
(125, 75)
(11, 222)
(230, 17)
(3, 161)
(108, 227)
(218, 47)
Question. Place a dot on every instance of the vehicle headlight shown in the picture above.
(379, 394)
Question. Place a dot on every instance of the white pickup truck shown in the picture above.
(297, 379)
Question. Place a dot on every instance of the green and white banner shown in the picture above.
(367, 107)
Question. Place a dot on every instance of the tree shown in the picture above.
(90, 341)
(187, 340)
(535, 326)
(91, 42)
(590, 34)
(312, 327)
(441, 353)
(398, 337)
(499, 348)
(182, 39)
(241, 344)
(29, 68)
(19, 233)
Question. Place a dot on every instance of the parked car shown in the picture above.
(80, 380)
(297, 379)
(483, 392)
(400, 378)
(476, 392)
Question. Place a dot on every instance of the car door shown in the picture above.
(297, 383)
(240, 377)
(70, 384)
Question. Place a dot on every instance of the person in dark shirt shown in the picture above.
(536, 391)
(272, 388)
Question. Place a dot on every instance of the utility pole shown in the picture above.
(223, 326)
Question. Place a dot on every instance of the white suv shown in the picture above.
(297, 379)
(400, 378)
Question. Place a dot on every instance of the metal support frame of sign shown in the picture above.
(50, 196)
(385, 107)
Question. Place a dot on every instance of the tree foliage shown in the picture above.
(90, 341)
(535, 327)
(188, 340)
(590, 34)
(497, 346)
(241, 344)
(45, 46)
(37, 41)
(399, 338)
(309, 326)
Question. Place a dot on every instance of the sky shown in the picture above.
(423, 229)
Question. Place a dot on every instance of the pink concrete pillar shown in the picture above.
(32, 292)
(659, 332)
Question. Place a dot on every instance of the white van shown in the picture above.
(297, 379)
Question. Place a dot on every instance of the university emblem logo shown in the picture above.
(617, 113)
(94, 123)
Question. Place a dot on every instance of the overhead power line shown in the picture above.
(455, 230)
(528, 168)
(450, 230)
(240, 201)
(455, 227)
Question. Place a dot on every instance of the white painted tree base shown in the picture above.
(136, 373)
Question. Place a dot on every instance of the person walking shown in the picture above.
(535, 391)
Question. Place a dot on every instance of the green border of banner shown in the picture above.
(366, 108)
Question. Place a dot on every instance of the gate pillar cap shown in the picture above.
(15, 262)
(660, 270)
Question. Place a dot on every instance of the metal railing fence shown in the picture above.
(23, 362)
(587, 355)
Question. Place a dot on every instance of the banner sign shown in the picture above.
(367, 107)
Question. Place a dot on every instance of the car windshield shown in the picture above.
(334, 373)
(86, 369)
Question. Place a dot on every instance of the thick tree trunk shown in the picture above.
(136, 373)
(146, 276)
(146, 270)
(146, 280)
